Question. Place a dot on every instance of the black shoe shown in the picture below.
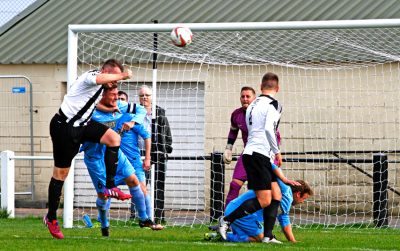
(105, 232)
(150, 224)
(213, 228)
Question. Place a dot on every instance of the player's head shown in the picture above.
(247, 95)
(112, 66)
(123, 96)
(145, 93)
(301, 193)
(270, 82)
(110, 96)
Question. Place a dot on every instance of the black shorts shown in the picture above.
(259, 171)
(67, 139)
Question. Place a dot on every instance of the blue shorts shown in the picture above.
(97, 171)
(137, 163)
(247, 226)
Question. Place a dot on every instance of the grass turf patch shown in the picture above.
(30, 234)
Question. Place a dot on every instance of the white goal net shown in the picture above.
(340, 93)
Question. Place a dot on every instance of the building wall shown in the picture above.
(47, 93)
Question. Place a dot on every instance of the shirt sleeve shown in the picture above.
(284, 220)
(286, 203)
(233, 131)
(141, 130)
(271, 124)
(138, 111)
(91, 76)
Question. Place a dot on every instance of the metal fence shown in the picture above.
(16, 123)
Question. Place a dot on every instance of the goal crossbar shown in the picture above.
(290, 25)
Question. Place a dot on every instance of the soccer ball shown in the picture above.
(181, 36)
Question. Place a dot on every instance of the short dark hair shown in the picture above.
(106, 88)
(248, 88)
(123, 93)
(113, 63)
(269, 81)
(303, 189)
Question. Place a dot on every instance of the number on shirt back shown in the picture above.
(251, 111)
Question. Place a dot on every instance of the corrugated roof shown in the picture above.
(41, 37)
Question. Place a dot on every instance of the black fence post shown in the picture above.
(217, 186)
(380, 194)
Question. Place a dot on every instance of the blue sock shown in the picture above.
(149, 209)
(138, 199)
(231, 237)
(107, 208)
(108, 205)
(103, 211)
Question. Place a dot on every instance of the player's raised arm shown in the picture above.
(107, 78)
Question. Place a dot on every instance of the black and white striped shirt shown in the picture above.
(79, 103)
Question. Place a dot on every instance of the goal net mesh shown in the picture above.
(340, 96)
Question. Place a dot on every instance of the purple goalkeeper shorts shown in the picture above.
(239, 173)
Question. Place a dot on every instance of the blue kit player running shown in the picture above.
(130, 147)
(94, 159)
(250, 228)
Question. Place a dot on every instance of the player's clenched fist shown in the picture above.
(128, 74)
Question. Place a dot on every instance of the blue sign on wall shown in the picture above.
(18, 90)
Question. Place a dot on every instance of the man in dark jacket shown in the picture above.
(161, 146)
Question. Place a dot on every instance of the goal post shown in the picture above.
(338, 89)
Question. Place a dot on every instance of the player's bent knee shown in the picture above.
(276, 191)
(60, 173)
(132, 181)
(110, 138)
(264, 197)
(239, 182)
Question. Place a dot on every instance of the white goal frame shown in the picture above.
(75, 29)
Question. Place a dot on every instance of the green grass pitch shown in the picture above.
(30, 234)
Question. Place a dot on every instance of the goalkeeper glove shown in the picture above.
(227, 157)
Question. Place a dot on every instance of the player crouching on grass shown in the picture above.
(250, 228)
(94, 158)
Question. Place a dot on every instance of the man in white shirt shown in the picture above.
(262, 120)
(72, 125)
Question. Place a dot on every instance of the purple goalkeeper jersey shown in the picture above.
(238, 122)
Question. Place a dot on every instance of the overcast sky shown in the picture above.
(10, 8)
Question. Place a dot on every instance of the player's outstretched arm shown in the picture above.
(287, 230)
(278, 172)
(105, 78)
